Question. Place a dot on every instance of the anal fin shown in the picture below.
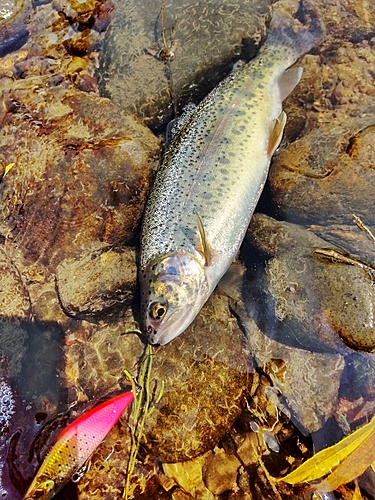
(231, 282)
(276, 134)
(288, 80)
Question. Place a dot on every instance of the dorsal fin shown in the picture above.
(203, 246)
(276, 134)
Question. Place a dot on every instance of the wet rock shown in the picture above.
(14, 299)
(313, 303)
(96, 356)
(306, 384)
(13, 339)
(106, 477)
(207, 374)
(334, 160)
(220, 472)
(13, 17)
(98, 282)
(350, 239)
(349, 19)
(82, 169)
(247, 450)
(207, 36)
(330, 126)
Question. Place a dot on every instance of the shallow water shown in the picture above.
(255, 385)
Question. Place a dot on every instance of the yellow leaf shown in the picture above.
(7, 168)
(357, 493)
(352, 466)
(188, 475)
(326, 460)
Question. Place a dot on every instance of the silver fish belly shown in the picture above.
(209, 184)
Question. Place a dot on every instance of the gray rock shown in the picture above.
(13, 343)
(306, 383)
(13, 17)
(208, 36)
(313, 303)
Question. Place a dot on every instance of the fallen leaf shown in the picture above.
(335, 459)
(357, 493)
(188, 475)
(352, 466)
(8, 167)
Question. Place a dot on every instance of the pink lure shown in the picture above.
(74, 446)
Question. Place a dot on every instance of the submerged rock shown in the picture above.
(97, 355)
(305, 384)
(326, 174)
(14, 299)
(204, 37)
(99, 282)
(330, 159)
(303, 316)
(13, 343)
(13, 17)
(351, 239)
(82, 169)
(220, 472)
(313, 302)
(207, 373)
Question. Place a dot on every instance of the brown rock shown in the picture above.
(82, 171)
(220, 472)
(98, 282)
(207, 375)
(14, 299)
(96, 356)
(332, 168)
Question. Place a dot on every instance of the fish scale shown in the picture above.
(210, 181)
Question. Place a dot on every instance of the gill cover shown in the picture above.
(173, 288)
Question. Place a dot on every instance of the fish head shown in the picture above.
(173, 290)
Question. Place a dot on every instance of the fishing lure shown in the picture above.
(74, 446)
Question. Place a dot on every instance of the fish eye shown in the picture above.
(157, 310)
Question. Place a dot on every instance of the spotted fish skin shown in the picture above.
(74, 446)
(210, 181)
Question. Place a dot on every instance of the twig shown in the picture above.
(363, 227)
(335, 256)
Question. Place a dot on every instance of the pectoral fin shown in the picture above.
(276, 134)
(203, 246)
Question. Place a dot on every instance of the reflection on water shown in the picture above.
(254, 387)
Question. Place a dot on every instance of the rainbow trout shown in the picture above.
(210, 181)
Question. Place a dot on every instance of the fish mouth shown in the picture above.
(171, 327)
(151, 335)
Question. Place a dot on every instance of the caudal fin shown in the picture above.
(300, 33)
